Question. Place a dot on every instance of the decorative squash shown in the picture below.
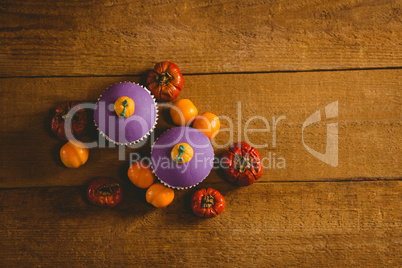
(165, 81)
(159, 195)
(242, 164)
(104, 192)
(207, 123)
(183, 112)
(79, 121)
(207, 203)
(74, 154)
(140, 174)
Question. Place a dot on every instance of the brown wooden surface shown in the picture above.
(369, 122)
(128, 37)
(307, 215)
(270, 224)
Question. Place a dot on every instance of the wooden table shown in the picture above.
(265, 58)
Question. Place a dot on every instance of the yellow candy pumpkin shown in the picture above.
(182, 153)
(124, 107)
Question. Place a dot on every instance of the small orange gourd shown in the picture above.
(183, 112)
(140, 174)
(159, 195)
(74, 154)
(207, 123)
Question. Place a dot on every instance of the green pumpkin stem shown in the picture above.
(123, 114)
(181, 152)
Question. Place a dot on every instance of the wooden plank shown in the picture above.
(128, 37)
(331, 224)
(369, 124)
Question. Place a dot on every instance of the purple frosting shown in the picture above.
(187, 174)
(132, 128)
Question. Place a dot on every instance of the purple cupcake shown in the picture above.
(126, 113)
(182, 157)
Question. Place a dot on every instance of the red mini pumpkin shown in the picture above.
(165, 81)
(61, 117)
(104, 192)
(207, 203)
(242, 164)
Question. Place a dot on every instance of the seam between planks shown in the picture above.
(221, 73)
(356, 180)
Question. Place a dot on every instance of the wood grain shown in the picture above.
(334, 224)
(235, 55)
(42, 38)
(369, 124)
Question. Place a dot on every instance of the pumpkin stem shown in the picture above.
(106, 189)
(164, 78)
(123, 114)
(181, 152)
(242, 163)
(207, 201)
(65, 116)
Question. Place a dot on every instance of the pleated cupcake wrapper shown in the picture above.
(143, 137)
(166, 184)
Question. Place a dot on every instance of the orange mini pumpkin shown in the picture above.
(183, 112)
(140, 174)
(207, 123)
(74, 154)
(159, 195)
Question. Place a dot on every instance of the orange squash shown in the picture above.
(207, 123)
(74, 154)
(140, 175)
(159, 195)
(183, 112)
